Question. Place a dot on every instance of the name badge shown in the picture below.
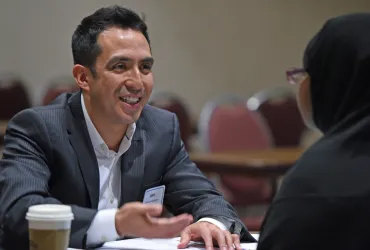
(154, 195)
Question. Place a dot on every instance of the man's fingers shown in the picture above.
(185, 239)
(151, 209)
(219, 236)
(170, 227)
(185, 219)
(236, 241)
(229, 239)
(177, 228)
(207, 237)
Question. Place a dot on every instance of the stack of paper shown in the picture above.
(163, 244)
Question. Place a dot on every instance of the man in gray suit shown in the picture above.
(100, 149)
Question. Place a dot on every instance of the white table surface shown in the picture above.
(255, 235)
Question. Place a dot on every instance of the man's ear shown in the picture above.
(80, 73)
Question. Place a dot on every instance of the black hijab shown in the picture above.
(338, 62)
(324, 200)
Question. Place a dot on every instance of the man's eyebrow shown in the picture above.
(117, 59)
(148, 59)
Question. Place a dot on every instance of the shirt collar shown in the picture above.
(98, 142)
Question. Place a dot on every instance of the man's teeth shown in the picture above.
(130, 100)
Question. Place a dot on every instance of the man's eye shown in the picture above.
(147, 67)
(120, 66)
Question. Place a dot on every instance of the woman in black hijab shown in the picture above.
(324, 201)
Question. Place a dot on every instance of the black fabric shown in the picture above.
(338, 62)
(324, 201)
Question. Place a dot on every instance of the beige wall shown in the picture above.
(202, 48)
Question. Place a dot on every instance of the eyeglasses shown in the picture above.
(296, 75)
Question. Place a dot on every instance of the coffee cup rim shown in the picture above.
(49, 212)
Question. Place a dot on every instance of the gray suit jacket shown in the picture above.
(48, 158)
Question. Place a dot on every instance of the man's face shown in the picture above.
(123, 81)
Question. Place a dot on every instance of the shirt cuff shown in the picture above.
(103, 227)
(214, 222)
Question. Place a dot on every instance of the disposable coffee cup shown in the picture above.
(49, 226)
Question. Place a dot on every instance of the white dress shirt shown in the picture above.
(103, 227)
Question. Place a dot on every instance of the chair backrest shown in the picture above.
(279, 108)
(13, 96)
(176, 105)
(226, 124)
(3, 125)
(58, 86)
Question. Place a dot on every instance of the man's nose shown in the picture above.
(134, 84)
(134, 89)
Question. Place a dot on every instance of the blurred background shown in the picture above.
(202, 48)
(207, 53)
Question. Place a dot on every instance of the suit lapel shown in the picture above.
(81, 143)
(132, 167)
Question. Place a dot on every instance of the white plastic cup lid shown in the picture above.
(50, 212)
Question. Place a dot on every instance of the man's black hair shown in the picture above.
(85, 48)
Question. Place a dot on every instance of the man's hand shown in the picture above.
(138, 219)
(210, 234)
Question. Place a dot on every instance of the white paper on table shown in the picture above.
(163, 244)
(256, 236)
